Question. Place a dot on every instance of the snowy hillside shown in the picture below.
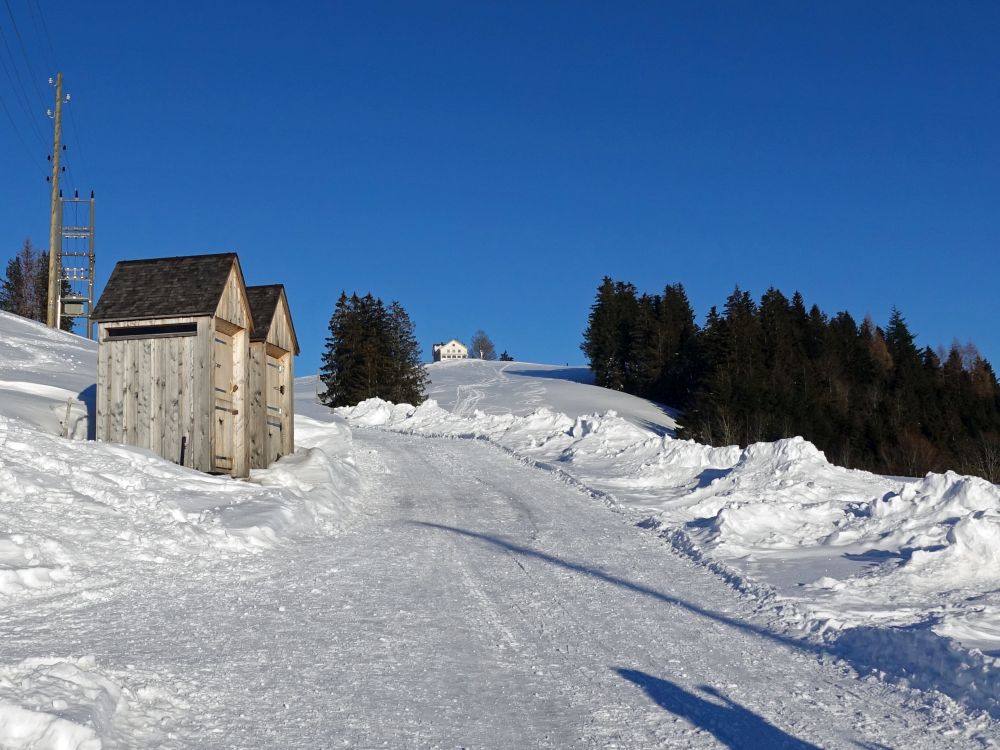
(80, 520)
(44, 371)
(518, 388)
(893, 570)
(410, 590)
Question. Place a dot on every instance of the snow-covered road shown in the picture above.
(477, 602)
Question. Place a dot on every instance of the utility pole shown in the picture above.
(55, 241)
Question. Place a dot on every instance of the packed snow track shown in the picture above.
(477, 602)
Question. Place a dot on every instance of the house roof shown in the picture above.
(165, 287)
(264, 301)
(452, 341)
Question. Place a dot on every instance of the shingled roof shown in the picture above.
(264, 302)
(165, 287)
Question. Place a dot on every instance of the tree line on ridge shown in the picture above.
(867, 396)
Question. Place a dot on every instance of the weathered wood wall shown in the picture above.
(280, 333)
(158, 391)
(282, 336)
(150, 391)
(257, 432)
(274, 389)
(233, 306)
(288, 405)
(270, 388)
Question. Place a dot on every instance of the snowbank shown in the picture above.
(72, 704)
(72, 508)
(46, 375)
(852, 559)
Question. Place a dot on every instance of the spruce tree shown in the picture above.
(371, 352)
(409, 379)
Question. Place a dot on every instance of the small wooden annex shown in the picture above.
(273, 345)
(173, 360)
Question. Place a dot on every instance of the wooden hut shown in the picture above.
(272, 379)
(173, 351)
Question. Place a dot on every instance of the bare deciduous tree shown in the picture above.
(482, 346)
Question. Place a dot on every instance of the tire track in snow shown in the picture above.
(753, 670)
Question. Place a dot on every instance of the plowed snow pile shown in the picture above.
(890, 570)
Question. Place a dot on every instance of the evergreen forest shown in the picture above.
(868, 396)
(371, 352)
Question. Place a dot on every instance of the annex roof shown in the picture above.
(264, 301)
(165, 287)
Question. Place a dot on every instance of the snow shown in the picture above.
(843, 555)
(519, 388)
(388, 585)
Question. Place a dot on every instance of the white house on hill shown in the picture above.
(453, 349)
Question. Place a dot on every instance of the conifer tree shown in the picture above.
(371, 352)
(409, 378)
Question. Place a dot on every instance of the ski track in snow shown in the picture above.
(476, 603)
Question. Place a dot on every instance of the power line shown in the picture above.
(17, 132)
(24, 52)
(19, 88)
(38, 19)
(76, 136)
(35, 10)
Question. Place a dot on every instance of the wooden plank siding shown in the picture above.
(156, 386)
(233, 306)
(287, 406)
(151, 391)
(280, 333)
(257, 427)
(271, 429)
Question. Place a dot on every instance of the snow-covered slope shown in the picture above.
(118, 495)
(45, 375)
(77, 517)
(146, 605)
(891, 569)
(465, 386)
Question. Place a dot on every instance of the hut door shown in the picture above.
(275, 377)
(224, 387)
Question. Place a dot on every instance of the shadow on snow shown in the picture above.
(89, 397)
(865, 648)
(574, 374)
(629, 585)
(730, 723)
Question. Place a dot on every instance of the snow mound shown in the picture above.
(71, 704)
(78, 513)
(73, 510)
(464, 387)
(45, 374)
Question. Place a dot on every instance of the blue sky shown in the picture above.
(486, 163)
